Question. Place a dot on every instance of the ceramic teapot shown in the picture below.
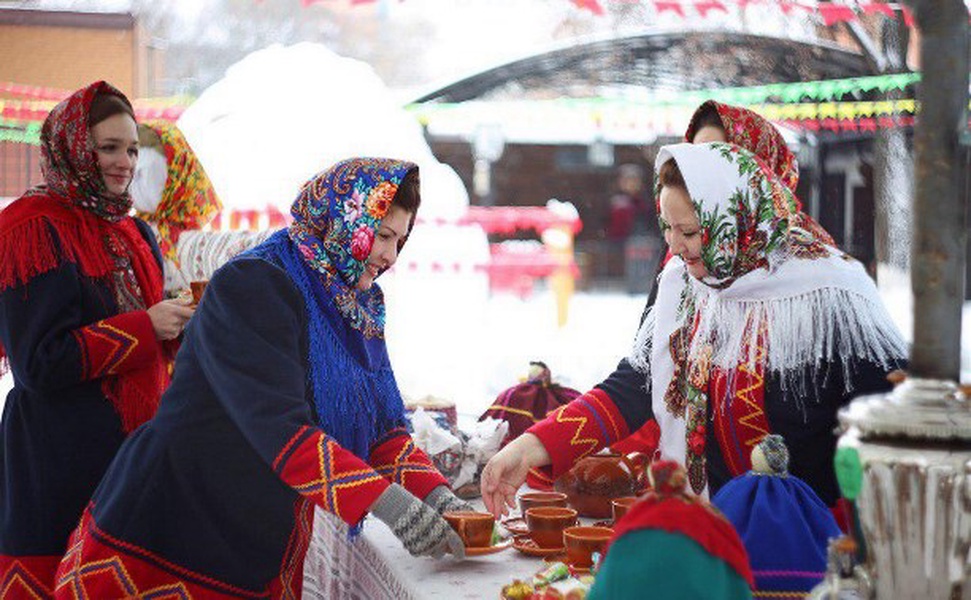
(597, 479)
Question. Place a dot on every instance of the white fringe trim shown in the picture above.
(830, 325)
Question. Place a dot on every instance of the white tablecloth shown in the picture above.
(375, 566)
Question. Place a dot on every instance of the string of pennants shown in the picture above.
(21, 117)
(827, 13)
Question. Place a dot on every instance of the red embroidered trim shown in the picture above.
(400, 461)
(98, 565)
(289, 586)
(742, 424)
(582, 427)
(27, 576)
(317, 467)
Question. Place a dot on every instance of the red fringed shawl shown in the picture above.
(40, 232)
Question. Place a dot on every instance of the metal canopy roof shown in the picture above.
(665, 61)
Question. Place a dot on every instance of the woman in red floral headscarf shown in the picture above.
(83, 328)
(760, 327)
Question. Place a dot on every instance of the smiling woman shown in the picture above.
(83, 326)
(283, 398)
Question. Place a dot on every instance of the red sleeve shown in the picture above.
(582, 427)
(117, 344)
(316, 466)
(399, 460)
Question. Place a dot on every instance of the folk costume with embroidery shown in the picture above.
(782, 332)
(76, 277)
(283, 398)
(751, 131)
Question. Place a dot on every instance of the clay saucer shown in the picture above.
(499, 547)
(527, 546)
(561, 557)
(515, 525)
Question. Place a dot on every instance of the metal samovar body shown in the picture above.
(912, 454)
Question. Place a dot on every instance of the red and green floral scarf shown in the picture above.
(753, 132)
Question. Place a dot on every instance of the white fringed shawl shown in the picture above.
(818, 311)
(808, 304)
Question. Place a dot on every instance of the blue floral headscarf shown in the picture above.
(355, 395)
(336, 217)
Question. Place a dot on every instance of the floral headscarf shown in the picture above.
(189, 200)
(775, 299)
(744, 211)
(68, 157)
(335, 218)
(756, 134)
(336, 215)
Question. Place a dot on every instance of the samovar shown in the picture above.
(906, 457)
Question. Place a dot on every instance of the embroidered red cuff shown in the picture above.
(118, 344)
(399, 460)
(316, 466)
(582, 427)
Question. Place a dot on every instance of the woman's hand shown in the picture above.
(506, 472)
(169, 318)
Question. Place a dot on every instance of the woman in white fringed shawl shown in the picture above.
(759, 327)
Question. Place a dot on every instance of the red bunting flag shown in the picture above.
(878, 7)
(591, 5)
(706, 6)
(836, 13)
(674, 6)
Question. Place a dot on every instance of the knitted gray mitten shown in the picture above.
(422, 531)
(443, 500)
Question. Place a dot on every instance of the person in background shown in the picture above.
(283, 398)
(83, 326)
(172, 193)
(759, 327)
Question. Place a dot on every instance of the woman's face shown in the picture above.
(709, 133)
(116, 147)
(683, 234)
(390, 235)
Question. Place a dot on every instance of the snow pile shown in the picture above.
(282, 114)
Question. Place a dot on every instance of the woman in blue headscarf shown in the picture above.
(282, 398)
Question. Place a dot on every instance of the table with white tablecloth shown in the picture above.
(375, 566)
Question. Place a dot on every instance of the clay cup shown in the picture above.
(475, 528)
(546, 524)
(582, 542)
(537, 499)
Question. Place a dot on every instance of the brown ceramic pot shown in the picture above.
(596, 480)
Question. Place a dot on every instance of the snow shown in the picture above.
(282, 114)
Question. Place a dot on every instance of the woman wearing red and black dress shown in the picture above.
(82, 326)
(283, 399)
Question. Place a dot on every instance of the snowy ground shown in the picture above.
(465, 346)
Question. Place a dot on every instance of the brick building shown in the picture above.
(66, 50)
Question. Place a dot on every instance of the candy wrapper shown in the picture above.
(482, 444)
